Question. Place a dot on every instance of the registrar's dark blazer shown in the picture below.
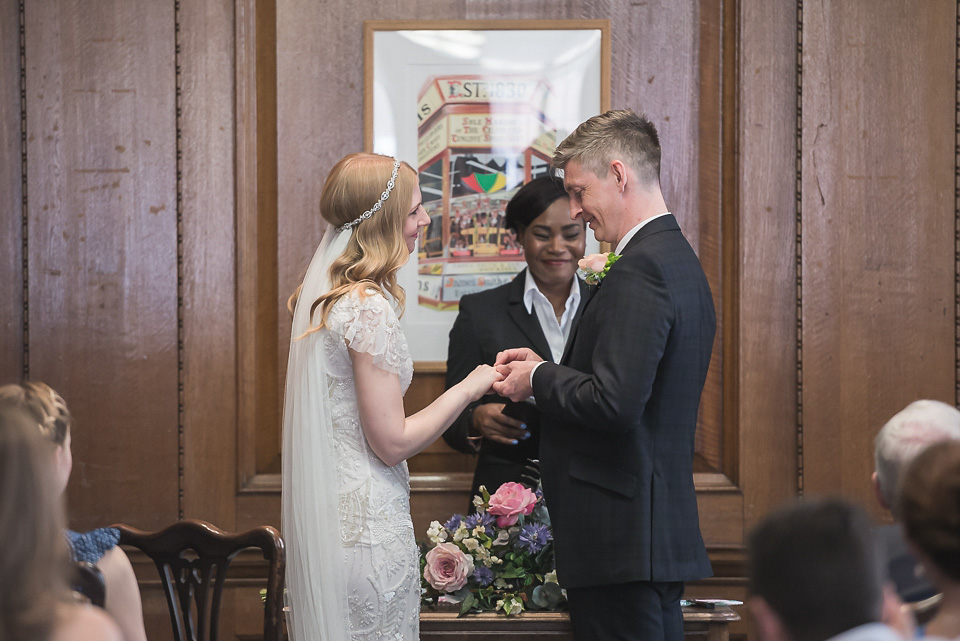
(489, 322)
(619, 416)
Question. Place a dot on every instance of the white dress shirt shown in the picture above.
(556, 331)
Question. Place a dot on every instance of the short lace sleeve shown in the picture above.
(369, 324)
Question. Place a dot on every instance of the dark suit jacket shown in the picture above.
(902, 567)
(616, 450)
(489, 322)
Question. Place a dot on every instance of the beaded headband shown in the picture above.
(376, 207)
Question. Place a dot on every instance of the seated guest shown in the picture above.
(911, 430)
(537, 309)
(929, 506)
(813, 575)
(35, 602)
(99, 547)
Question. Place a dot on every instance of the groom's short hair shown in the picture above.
(814, 564)
(618, 134)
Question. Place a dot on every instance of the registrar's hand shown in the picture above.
(489, 420)
(517, 354)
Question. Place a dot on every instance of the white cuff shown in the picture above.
(532, 372)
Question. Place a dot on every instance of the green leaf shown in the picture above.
(467, 604)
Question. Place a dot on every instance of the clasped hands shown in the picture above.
(514, 365)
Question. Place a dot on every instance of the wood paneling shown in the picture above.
(11, 196)
(147, 270)
(878, 141)
(101, 148)
(766, 355)
(206, 133)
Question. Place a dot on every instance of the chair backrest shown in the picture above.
(192, 557)
(88, 580)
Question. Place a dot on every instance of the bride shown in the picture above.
(353, 564)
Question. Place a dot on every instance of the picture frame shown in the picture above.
(477, 108)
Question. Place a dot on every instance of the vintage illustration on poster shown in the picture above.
(477, 112)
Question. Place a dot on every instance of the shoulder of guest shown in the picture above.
(84, 622)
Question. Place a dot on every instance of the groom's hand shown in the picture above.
(517, 354)
(516, 379)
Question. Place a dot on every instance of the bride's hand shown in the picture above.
(480, 381)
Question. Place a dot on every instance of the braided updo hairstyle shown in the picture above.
(43, 404)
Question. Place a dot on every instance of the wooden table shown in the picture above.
(699, 624)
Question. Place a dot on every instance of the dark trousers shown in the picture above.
(637, 611)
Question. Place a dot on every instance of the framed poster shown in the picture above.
(477, 108)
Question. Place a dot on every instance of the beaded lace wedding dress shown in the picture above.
(353, 564)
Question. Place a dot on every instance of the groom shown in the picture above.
(620, 411)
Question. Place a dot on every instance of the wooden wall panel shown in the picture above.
(102, 247)
(11, 197)
(207, 186)
(766, 358)
(841, 268)
(878, 141)
(320, 115)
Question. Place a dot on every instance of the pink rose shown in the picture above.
(593, 262)
(510, 501)
(447, 567)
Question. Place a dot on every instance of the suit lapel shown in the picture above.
(586, 294)
(527, 322)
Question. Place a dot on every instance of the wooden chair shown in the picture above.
(88, 580)
(192, 557)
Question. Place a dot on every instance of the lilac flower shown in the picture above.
(453, 523)
(482, 575)
(486, 520)
(533, 537)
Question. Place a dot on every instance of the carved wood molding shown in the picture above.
(956, 218)
(181, 444)
(24, 218)
(798, 244)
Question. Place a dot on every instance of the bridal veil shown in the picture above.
(316, 594)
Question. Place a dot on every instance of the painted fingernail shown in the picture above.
(514, 441)
(523, 426)
(526, 436)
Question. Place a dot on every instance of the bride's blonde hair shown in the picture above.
(376, 248)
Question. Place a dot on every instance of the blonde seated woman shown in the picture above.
(35, 601)
(49, 411)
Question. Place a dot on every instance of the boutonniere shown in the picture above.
(595, 266)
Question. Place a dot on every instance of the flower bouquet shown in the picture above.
(498, 559)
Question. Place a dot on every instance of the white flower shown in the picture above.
(513, 606)
(461, 533)
(495, 560)
(471, 544)
(436, 533)
(502, 537)
(550, 577)
(478, 503)
(479, 530)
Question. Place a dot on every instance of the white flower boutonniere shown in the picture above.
(595, 266)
